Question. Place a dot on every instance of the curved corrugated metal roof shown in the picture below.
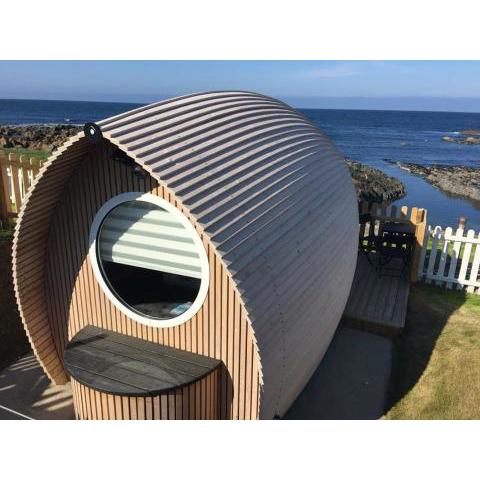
(270, 191)
(274, 197)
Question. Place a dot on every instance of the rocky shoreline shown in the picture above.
(372, 185)
(36, 137)
(454, 180)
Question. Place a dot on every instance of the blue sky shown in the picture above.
(409, 85)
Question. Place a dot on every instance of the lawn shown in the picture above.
(6, 234)
(436, 361)
(40, 154)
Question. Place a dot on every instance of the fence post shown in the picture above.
(36, 164)
(23, 168)
(362, 208)
(420, 222)
(4, 195)
(15, 181)
(421, 272)
(457, 245)
(373, 212)
(475, 269)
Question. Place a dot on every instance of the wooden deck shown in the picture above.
(377, 303)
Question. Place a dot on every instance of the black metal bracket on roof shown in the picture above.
(92, 132)
(120, 156)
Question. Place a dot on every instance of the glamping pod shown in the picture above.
(187, 259)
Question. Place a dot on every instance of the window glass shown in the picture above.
(149, 260)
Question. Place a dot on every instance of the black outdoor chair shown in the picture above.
(367, 244)
(395, 246)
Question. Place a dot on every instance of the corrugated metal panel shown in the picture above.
(274, 199)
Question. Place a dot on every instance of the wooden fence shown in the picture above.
(16, 176)
(451, 258)
(441, 256)
(417, 217)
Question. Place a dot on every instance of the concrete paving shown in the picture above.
(25, 391)
(351, 382)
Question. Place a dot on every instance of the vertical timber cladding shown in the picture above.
(220, 329)
(29, 251)
(198, 400)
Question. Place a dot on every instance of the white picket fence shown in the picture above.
(451, 258)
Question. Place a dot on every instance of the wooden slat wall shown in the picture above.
(29, 247)
(220, 329)
(197, 401)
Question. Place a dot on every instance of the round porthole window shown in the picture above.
(149, 259)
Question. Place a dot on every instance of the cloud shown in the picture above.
(341, 70)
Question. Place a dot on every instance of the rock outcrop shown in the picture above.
(470, 132)
(454, 180)
(372, 185)
(36, 137)
(466, 137)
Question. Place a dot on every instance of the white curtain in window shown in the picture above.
(144, 235)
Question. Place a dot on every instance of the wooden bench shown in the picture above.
(119, 365)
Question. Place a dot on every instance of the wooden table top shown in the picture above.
(122, 365)
(398, 228)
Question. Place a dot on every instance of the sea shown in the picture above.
(372, 137)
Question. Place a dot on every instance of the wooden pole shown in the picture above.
(363, 208)
(4, 197)
(23, 167)
(420, 222)
(15, 181)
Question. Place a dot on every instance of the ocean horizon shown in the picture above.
(367, 136)
(37, 111)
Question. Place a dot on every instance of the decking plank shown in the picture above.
(357, 297)
(377, 303)
(367, 276)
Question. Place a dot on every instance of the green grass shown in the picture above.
(450, 255)
(436, 361)
(6, 234)
(40, 154)
(440, 246)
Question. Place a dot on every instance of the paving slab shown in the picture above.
(350, 383)
(25, 391)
